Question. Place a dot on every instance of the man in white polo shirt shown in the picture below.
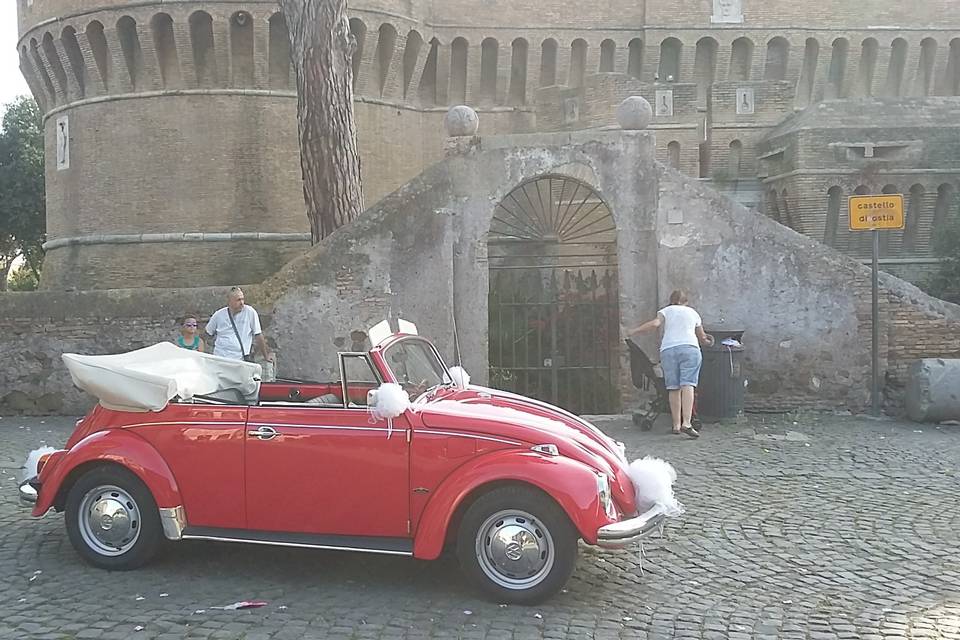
(235, 328)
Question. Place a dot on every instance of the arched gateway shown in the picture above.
(554, 315)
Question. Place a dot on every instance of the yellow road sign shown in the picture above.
(876, 212)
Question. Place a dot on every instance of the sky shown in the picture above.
(12, 83)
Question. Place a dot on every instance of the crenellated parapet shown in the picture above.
(184, 46)
(166, 47)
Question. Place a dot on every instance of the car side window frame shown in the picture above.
(344, 389)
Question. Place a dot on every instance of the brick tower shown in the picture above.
(171, 141)
(172, 154)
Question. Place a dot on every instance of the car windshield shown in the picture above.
(415, 365)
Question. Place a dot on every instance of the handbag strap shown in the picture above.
(236, 333)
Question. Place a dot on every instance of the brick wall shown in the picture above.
(421, 252)
(178, 140)
(826, 151)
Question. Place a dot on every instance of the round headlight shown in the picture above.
(606, 498)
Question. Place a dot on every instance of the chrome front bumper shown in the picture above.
(28, 491)
(621, 534)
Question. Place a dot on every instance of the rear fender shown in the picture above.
(570, 483)
(114, 446)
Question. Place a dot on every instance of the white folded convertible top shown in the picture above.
(147, 379)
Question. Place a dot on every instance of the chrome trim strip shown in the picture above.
(468, 435)
(302, 545)
(185, 422)
(174, 521)
(341, 358)
(317, 426)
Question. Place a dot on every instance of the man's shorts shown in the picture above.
(681, 366)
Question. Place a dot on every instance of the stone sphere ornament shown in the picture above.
(462, 121)
(634, 113)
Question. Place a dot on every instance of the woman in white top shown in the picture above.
(680, 356)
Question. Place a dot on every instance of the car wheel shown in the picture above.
(517, 544)
(112, 519)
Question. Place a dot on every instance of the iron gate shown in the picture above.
(554, 313)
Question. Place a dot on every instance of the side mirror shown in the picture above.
(372, 398)
(460, 377)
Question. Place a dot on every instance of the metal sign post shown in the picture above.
(875, 323)
(873, 213)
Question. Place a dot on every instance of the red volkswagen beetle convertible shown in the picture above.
(194, 447)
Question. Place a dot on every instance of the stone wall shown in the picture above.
(805, 308)
(421, 253)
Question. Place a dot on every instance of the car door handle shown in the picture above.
(264, 433)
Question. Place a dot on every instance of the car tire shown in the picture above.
(517, 544)
(112, 519)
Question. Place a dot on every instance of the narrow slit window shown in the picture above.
(359, 32)
(161, 25)
(279, 57)
(241, 49)
(98, 46)
(518, 72)
(53, 59)
(741, 59)
(548, 63)
(778, 55)
(201, 39)
(578, 62)
(635, 58)
(411, 54)
(386, 44)
(608, 54)
(458, 71)
(77, 65)
(489, 53)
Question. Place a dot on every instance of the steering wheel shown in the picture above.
(414, 389)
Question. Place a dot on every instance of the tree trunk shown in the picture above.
(5, 265)
(321, 50)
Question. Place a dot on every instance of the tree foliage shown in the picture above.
(23, 278)
(22, 202)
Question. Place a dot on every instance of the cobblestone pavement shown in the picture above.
(797, 527)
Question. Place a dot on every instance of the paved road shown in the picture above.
(828, 527)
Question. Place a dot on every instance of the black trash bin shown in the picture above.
(720, 393)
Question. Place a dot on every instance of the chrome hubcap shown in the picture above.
(514, 549)
(109, 520)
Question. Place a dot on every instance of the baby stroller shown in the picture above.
(643, 372)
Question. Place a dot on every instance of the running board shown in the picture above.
(367, 544)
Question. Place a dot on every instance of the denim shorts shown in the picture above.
(681, 366)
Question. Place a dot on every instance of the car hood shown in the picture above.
(532, 422)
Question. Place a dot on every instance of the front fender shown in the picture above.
(570, 483)
(116, 446)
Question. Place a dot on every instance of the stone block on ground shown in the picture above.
(933, 390)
